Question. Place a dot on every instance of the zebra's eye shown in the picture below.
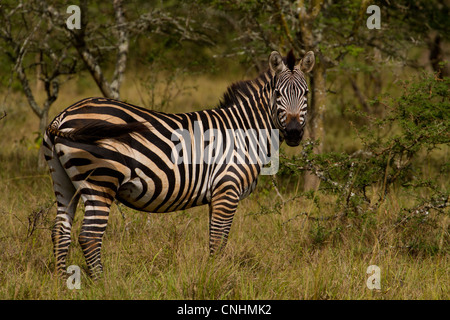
(280, 113)
(277, 93)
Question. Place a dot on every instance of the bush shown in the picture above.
(402, 152)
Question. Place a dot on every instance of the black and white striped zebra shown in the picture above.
(100, 150)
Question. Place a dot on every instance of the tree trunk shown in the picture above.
(306, 37)
(315, 126)
(437, 57)
(43, 119)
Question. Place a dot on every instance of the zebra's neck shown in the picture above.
(252, 98)
(247, 105)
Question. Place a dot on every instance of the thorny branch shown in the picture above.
(437, 203)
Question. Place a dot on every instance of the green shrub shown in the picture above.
(403, 151)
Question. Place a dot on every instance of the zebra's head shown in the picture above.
(289, 95)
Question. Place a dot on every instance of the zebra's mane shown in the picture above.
(238, 90)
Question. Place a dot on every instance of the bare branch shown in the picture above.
(358, 93)
(285, 26)
(164, 23)
(22, 75)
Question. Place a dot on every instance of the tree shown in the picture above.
(94, 46)
(89, 51)
(25, 34)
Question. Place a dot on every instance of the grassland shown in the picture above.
(270, 255)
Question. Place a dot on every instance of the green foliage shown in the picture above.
(417, 121)
(354, 50)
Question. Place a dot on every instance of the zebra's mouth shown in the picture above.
(293, 143)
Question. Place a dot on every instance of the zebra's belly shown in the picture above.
(143, 195)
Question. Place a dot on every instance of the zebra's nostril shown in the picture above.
(294, 128)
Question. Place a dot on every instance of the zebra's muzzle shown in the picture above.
(294, 133)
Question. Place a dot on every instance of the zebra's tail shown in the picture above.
(91, 131)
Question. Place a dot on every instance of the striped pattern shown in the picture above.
(100, 150)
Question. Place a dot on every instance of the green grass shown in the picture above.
(270, 255)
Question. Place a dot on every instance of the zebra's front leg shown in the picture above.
(221, 212)
(97, 206)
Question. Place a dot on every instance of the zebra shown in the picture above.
(102, 150)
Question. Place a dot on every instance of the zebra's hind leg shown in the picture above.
(67, 200)
(61, 232)
(223, 205)
(97, 206)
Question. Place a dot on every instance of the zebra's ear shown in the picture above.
(308, 61)
(276, 63)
